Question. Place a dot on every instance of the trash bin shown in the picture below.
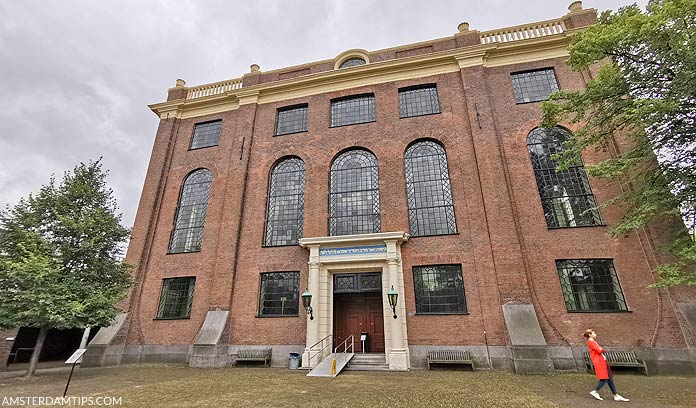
(294, 361)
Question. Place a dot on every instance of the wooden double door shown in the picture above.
(359, 312)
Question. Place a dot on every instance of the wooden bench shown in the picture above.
(450, 357)
(255, 355)
(617, 359)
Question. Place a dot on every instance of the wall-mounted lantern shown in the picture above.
(307, 303)
(393, 297)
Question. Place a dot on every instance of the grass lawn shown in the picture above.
(176, 386)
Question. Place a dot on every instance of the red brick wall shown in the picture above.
(506, 251)
(6, 346)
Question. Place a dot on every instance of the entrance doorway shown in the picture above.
(358, 309)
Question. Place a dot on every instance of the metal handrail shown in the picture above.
(344, 344)
(321, 350)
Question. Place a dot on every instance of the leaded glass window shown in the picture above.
(428, 190)
(187, 233)
(176, 298)
(206, 134)
(352, 62)
(285, 214)
(533, 86)
(292, 120)
(279, 295)
(590, 285)
(353, 110)
(354, 194)
(439, 289)
(417, 101)
(565, 195)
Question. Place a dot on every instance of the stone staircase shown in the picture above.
(368, 362)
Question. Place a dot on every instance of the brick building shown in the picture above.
(419, 170)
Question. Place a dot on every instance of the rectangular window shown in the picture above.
(417, 101)
(439, 289)
(533, 86)
(292, 119)
(206, 134)
(352, 110)
(279, 294)
(176, 298)
(590, 285)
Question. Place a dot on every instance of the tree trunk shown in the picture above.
(37, 351)
(85, 337)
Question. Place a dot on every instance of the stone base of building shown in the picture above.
(521, 360)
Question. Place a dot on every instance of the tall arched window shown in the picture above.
(285, 214)
(565, 195)
(354, 194)
(428, 190)
(190, 213)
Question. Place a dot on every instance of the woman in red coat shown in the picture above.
(601, 368)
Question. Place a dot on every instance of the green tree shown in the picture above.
(644, 92)
(60, 256)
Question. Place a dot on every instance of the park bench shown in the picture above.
(450, 357)
(617, 359)
(255, 355)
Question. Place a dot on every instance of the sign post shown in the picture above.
(75, 358)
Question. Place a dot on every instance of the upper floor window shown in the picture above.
(417, 101)
(354, 194)
(428, 190)
(176, 298)
(353, 110)
(439, 289)
(565, 195)
(533, 86)
(285, 214)
(187, 233)
(352, 62)
(291, 119)
(206, 134)
(279, 294)
(590, 285)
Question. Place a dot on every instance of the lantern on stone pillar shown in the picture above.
(393, 296)
(307, 303)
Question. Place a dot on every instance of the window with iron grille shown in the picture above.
(565, 195)
(352, 62)
(187, 233)
(285, 214)
(533, 86)
(428, 190)
(590, 285)
(176, 298)
(439, 289)
(279, 294)
(354, 194)
(417, 101)
(206, 134)
(291, 119)
(353, 110)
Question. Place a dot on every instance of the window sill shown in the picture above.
(442, 314)
(600, 311)
(291, 133)
(172, 318)
(280, 246)
(434, 235)
(577, 226)
(187, 252)
(202, 147)
(275, 316)
(422, 114)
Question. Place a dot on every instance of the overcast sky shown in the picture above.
(76, 76)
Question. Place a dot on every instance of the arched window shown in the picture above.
(190, 213)
(354, 194)
(285, 214)
(565, 195)
(352, 62)
(428, 190)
